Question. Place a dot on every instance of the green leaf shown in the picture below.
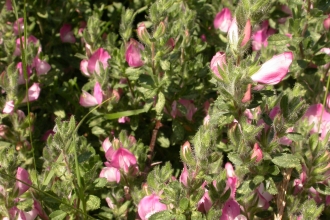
(233, 157)
(165, 65)
(310, 209)
(294, 136)
(323, 189)
(278, 40)
(58, 215)
(164, 215)
(184, 203)
(286, 161)
(160, 103)
(93, 203)
(100, 182)
(163, 141)
(124, 113)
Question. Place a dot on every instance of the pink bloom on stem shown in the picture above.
(313, 115)
(149, 205)
(33, 93)
(190, 107)
(66, 34)
(24, 176)
(205, 203)
(218, 61)
(42, 67)
(21, 80)
(184, 175)
(230, 170)
(264, 197)
(133, 53)
(112, 174)
(274, 70)
(257, 153)
(9, 107)
(326, 23)
(123, 159)
(100, 55)
(18, 26)
(88, 100)
(223, 20)
(124, 119)
(259, 38)
(230, 210)
(247, 33)
(233, 33)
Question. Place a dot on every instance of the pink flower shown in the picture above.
(24, 176)
(190, 107)
(247, 33)
(284, 140)
(149, 205)
(108, 149)
(230, 210)
(313, 115)
(274, 70)
(88, 67)
(42, 67)
(264, 197)
(259, 38)
(223, 20)
(257, 153)
(233, 33)
(66, 34)
(123, 159)
(9, 107)
(88, 100)
(184, 175)
(230, 170)
(112, 174)
(218, 60)
(124, 119)
(31, 39)
(205, 203)
(21, 80)
(133, 53)
(326, 23)
(18, 26)
(33, 93)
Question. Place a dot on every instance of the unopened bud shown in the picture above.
(326, 23)
(160, 30)
(247, 96)
(187, 154)
(143, 33)
(257, 153)
(320, 170)
(247, 33)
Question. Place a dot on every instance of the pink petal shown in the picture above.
(87, 100)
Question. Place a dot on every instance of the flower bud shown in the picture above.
(184, 175)
(24, 176)
(205, 203)
(9, 107)
(66, 34)
(133, 53)
(223, 20)
(143, 33)
(247, 95)
(247, 33)
(149, 205)
(233, 34)
(112, 174)
(326, 23)
(274, 70)
(187, 154)
(160, 30)
(218, 60)
(257, 153)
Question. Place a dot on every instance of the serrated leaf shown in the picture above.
(286, 161)
(278, 40)
(93, 203)
(235, 159)
(58, 215)
(164, 215)
(165, 65)
(100, 182)
(184, 203)
(294, 136)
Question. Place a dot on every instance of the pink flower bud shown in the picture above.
(206, 120)
(24, 176)
(9, 107)
(83, 67)
(264, 197)
(88, 100)
(171, 43)
(143, 33)
(205, 203)
(184, 175)
(124, 119)
(123, 159)
(230, 170)
(21, 80)
(223, 20)
(149, 205)
(42, 67)
(230, 210)
(274, 70)
(133, 53)
(112, 174)
(100, 55)
(19, 26)
(66, 34)
(247, 33)
(218, 60)
(9, 6)
(247, 95)
(257, 153)
(326, 23)
(233, 33)
(33, 93)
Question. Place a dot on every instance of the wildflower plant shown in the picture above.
(164, 109)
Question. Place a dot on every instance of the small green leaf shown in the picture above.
(163, 141)
(58, 215)
(184, 203)
(100, 182)
(278, 40)
(93, 203)
(286, 161)
(164, 215)
(124, 113)
(323, 189)
(294, 136)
